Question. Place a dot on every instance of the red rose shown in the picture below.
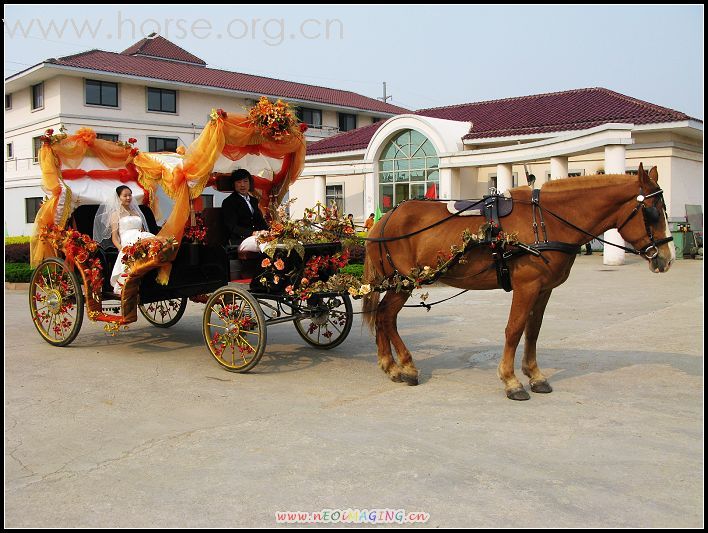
(134, 152)
(132, 140)
(50, 132)
(303, 127)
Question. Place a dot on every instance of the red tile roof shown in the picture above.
(132, 63)
(157, 46)
(541, 113)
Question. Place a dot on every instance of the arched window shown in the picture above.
(408, 168)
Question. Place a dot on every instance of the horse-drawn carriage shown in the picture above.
(80, 172)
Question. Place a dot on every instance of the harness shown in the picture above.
(497, 206)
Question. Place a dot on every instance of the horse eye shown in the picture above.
(651, 214)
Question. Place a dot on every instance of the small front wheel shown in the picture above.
(326, 320)
(234, 329)
(165, 313)
(56, 302)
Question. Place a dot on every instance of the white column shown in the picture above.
(615, 163)
(449, 183)
(369, 194)
(559, 167)
(505, 177)
(321, 190)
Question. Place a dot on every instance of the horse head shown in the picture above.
(645, 224)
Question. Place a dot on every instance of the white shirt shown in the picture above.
(248, 201)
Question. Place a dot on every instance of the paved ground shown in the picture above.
(145, 430)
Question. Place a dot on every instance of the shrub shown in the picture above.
(18, 272)
(22, 239)
(17, 253)
(354, 270)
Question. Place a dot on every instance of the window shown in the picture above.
(493, 180)
(9, 152)
(408, 168)
(571, 174)
(347, 122)
(162, 100)
(36, 145)
(207, 200)
(103, 93)
(311, 117)
(8, 101)
(38, 96)
(31, 208)
(634, 171)
(160, 144)
(335, 194)
(108, 136)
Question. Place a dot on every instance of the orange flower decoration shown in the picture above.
(87, 135)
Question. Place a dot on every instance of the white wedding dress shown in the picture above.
(130, 229)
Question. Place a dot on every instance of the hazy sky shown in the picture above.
(429, 55)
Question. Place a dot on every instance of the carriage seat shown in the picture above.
(476, 207)
(218, 236)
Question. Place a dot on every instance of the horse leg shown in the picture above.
(537, 380)
(409, 372)
(521, 305)
(386, 314)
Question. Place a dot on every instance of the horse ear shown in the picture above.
(640, 172)
(654, 175)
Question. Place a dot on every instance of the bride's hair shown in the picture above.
(108, 215)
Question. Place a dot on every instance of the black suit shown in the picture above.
(239, 221)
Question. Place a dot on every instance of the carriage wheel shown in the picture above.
(326, 321)
(165, 313)
(234, 329)
(56, 302)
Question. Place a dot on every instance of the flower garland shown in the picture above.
(145, 249)
(274, 120)
(196, 234)
(78, 249)
(129, 145)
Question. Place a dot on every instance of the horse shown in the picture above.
(410, 237)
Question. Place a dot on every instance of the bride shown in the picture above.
(121, 220)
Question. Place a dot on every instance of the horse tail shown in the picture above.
(371, 300)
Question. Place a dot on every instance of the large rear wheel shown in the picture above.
(56, 302)
(234, 329)
(165, 313)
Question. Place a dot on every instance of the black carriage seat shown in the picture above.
(247, 264)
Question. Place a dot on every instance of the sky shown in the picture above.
(429, 56)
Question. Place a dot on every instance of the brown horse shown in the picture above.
(594, 204)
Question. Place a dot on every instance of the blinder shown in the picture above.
(651, 215)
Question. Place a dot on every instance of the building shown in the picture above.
(462, 151)
(154, 91)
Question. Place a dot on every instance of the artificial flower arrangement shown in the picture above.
(288, 268)
(78, 249)
(274, 120)
(50, 138)
(196, 234)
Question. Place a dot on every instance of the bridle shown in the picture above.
(651, 215)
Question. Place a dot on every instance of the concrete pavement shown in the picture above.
(145, 430)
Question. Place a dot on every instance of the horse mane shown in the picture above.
(587, 182)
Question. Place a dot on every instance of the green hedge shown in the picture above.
(18, 272)
(22, 239)
(354, 270)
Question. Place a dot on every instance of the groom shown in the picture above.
(242, 217)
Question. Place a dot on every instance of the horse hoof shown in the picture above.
(410, 379)
(518, 394)
(541, 386)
